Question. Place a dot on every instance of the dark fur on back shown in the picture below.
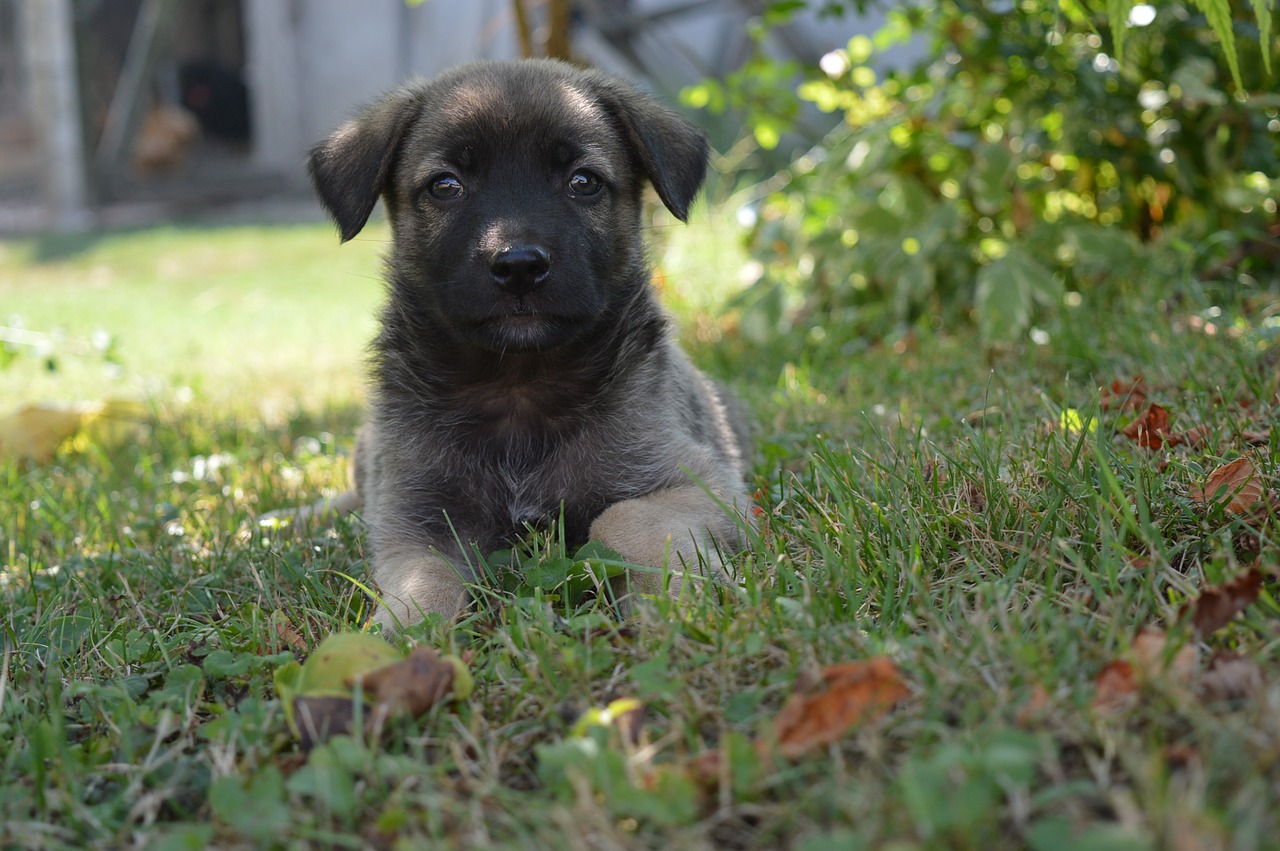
(497, 401)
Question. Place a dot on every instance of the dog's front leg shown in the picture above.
(679, 532)
(412, 583)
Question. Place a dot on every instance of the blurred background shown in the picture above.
(882, 172)
(116, 110)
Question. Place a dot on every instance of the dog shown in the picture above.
(523, 370)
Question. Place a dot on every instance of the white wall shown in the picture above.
(311, 62)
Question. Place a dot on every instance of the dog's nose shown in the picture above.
(520, 270)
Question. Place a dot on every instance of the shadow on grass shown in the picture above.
(52, 247)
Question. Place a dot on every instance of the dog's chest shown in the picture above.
(565, 488)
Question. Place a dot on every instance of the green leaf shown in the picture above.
(1218, 14)
(652, 678)
(992, 164)
(559, 763)
(182, 684)
(224, 663)
(917, 279)
(548, 574)
(327, 782)
(182, 837)
(1007, 289)
(1118, 20)
(669, 798)
(258, 811)
(1100, 253)
(1262, 11)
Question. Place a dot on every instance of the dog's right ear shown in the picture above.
(350, 169)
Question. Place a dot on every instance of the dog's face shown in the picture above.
(513, 191)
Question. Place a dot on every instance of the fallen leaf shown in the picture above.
(1150, 656)
(1216, 606)
(1035, 708)
(413, 685)
(708, 769)
(316, 697)
(316, 718)
(343, 657)
(1256, 438)
(626, 715)
(1150, 430)
(287, 632)
(1124, 397)
(1147, 659)
(1230, 676)
(1191, 830)
(844, 695)
(1181, 755)
(35, 432)
(1195, 436)
(1070, 421)
(1116, 689)
(1238, 480)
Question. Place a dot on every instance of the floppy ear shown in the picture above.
(350, 169)
(672, 151)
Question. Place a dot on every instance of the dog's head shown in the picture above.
(513, 191)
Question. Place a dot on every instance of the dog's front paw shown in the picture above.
(412, 587)
(677, 534)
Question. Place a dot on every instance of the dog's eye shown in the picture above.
(445, 188)
(583, 182)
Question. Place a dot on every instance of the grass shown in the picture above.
(1001, 559)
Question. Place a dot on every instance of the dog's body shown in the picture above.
(524, 370)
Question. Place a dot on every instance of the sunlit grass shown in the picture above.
(235, 317)
(919, 498)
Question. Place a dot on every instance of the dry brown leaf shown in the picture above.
(413, 685)
(1192, 831)
(1238, 480)
(1036, 706)
(1116, 689)
(1124, 397)
(1151, 658)
(1195, 436)
(320, 717)
(844, 696)
(1230, 676)
(1216, 606)
(630, 723)
(1181, 755)
(1256, 438)
(1150, 430)
(288, 633)
(707, 769)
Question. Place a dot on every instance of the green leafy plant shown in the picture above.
(1019, 161)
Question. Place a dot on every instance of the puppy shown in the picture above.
(524, 371)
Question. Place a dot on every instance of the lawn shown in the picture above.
(974, 521)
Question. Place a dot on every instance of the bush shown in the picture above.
(1018, 161)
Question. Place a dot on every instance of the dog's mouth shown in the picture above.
(524, 330)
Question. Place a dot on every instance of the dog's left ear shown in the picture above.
(672, 151)
(350, 169)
